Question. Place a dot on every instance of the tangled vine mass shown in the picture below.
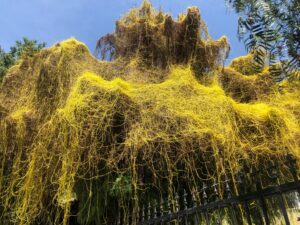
(91, 138)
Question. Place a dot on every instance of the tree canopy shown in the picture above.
(271, 29)
(22, 48)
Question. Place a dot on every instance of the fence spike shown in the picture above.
(169, 205)
(292, 164)
(194, 200)
(227, 187)
(204, 188)
(155, 209)
(184, 199)
(215, 189)
(273, 171)
(255, 177)
(161, 208)
(138, 214)
(149, 211)
(143, 213)
(240, 179)
(177, 202)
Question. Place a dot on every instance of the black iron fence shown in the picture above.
(268, 195)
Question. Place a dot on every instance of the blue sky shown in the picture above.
(86, 20)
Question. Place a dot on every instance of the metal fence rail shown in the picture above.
(264, 204)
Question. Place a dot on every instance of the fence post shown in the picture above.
(216, 194)
(169, 208)
(283, 209)
(194, 200)
(204, 203)
(161, 210)
(185, 206)
(155, 209)
(291, 161)
(262, 201)
(149, 212)
(143, 213)
(274, 175)
(241, 183)
(177, 205)
(229, 196)
(138, 215)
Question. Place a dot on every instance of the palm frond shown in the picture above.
(271, 30)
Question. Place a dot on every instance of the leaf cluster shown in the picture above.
(22, 49)
(271, 30)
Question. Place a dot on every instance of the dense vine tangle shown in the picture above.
(81, 137)
(159, 41)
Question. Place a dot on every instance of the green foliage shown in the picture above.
(121, 186)
(26, 48)
(6, 61)
(22, 49)
(271, 30)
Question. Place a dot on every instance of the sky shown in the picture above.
(52, 21)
